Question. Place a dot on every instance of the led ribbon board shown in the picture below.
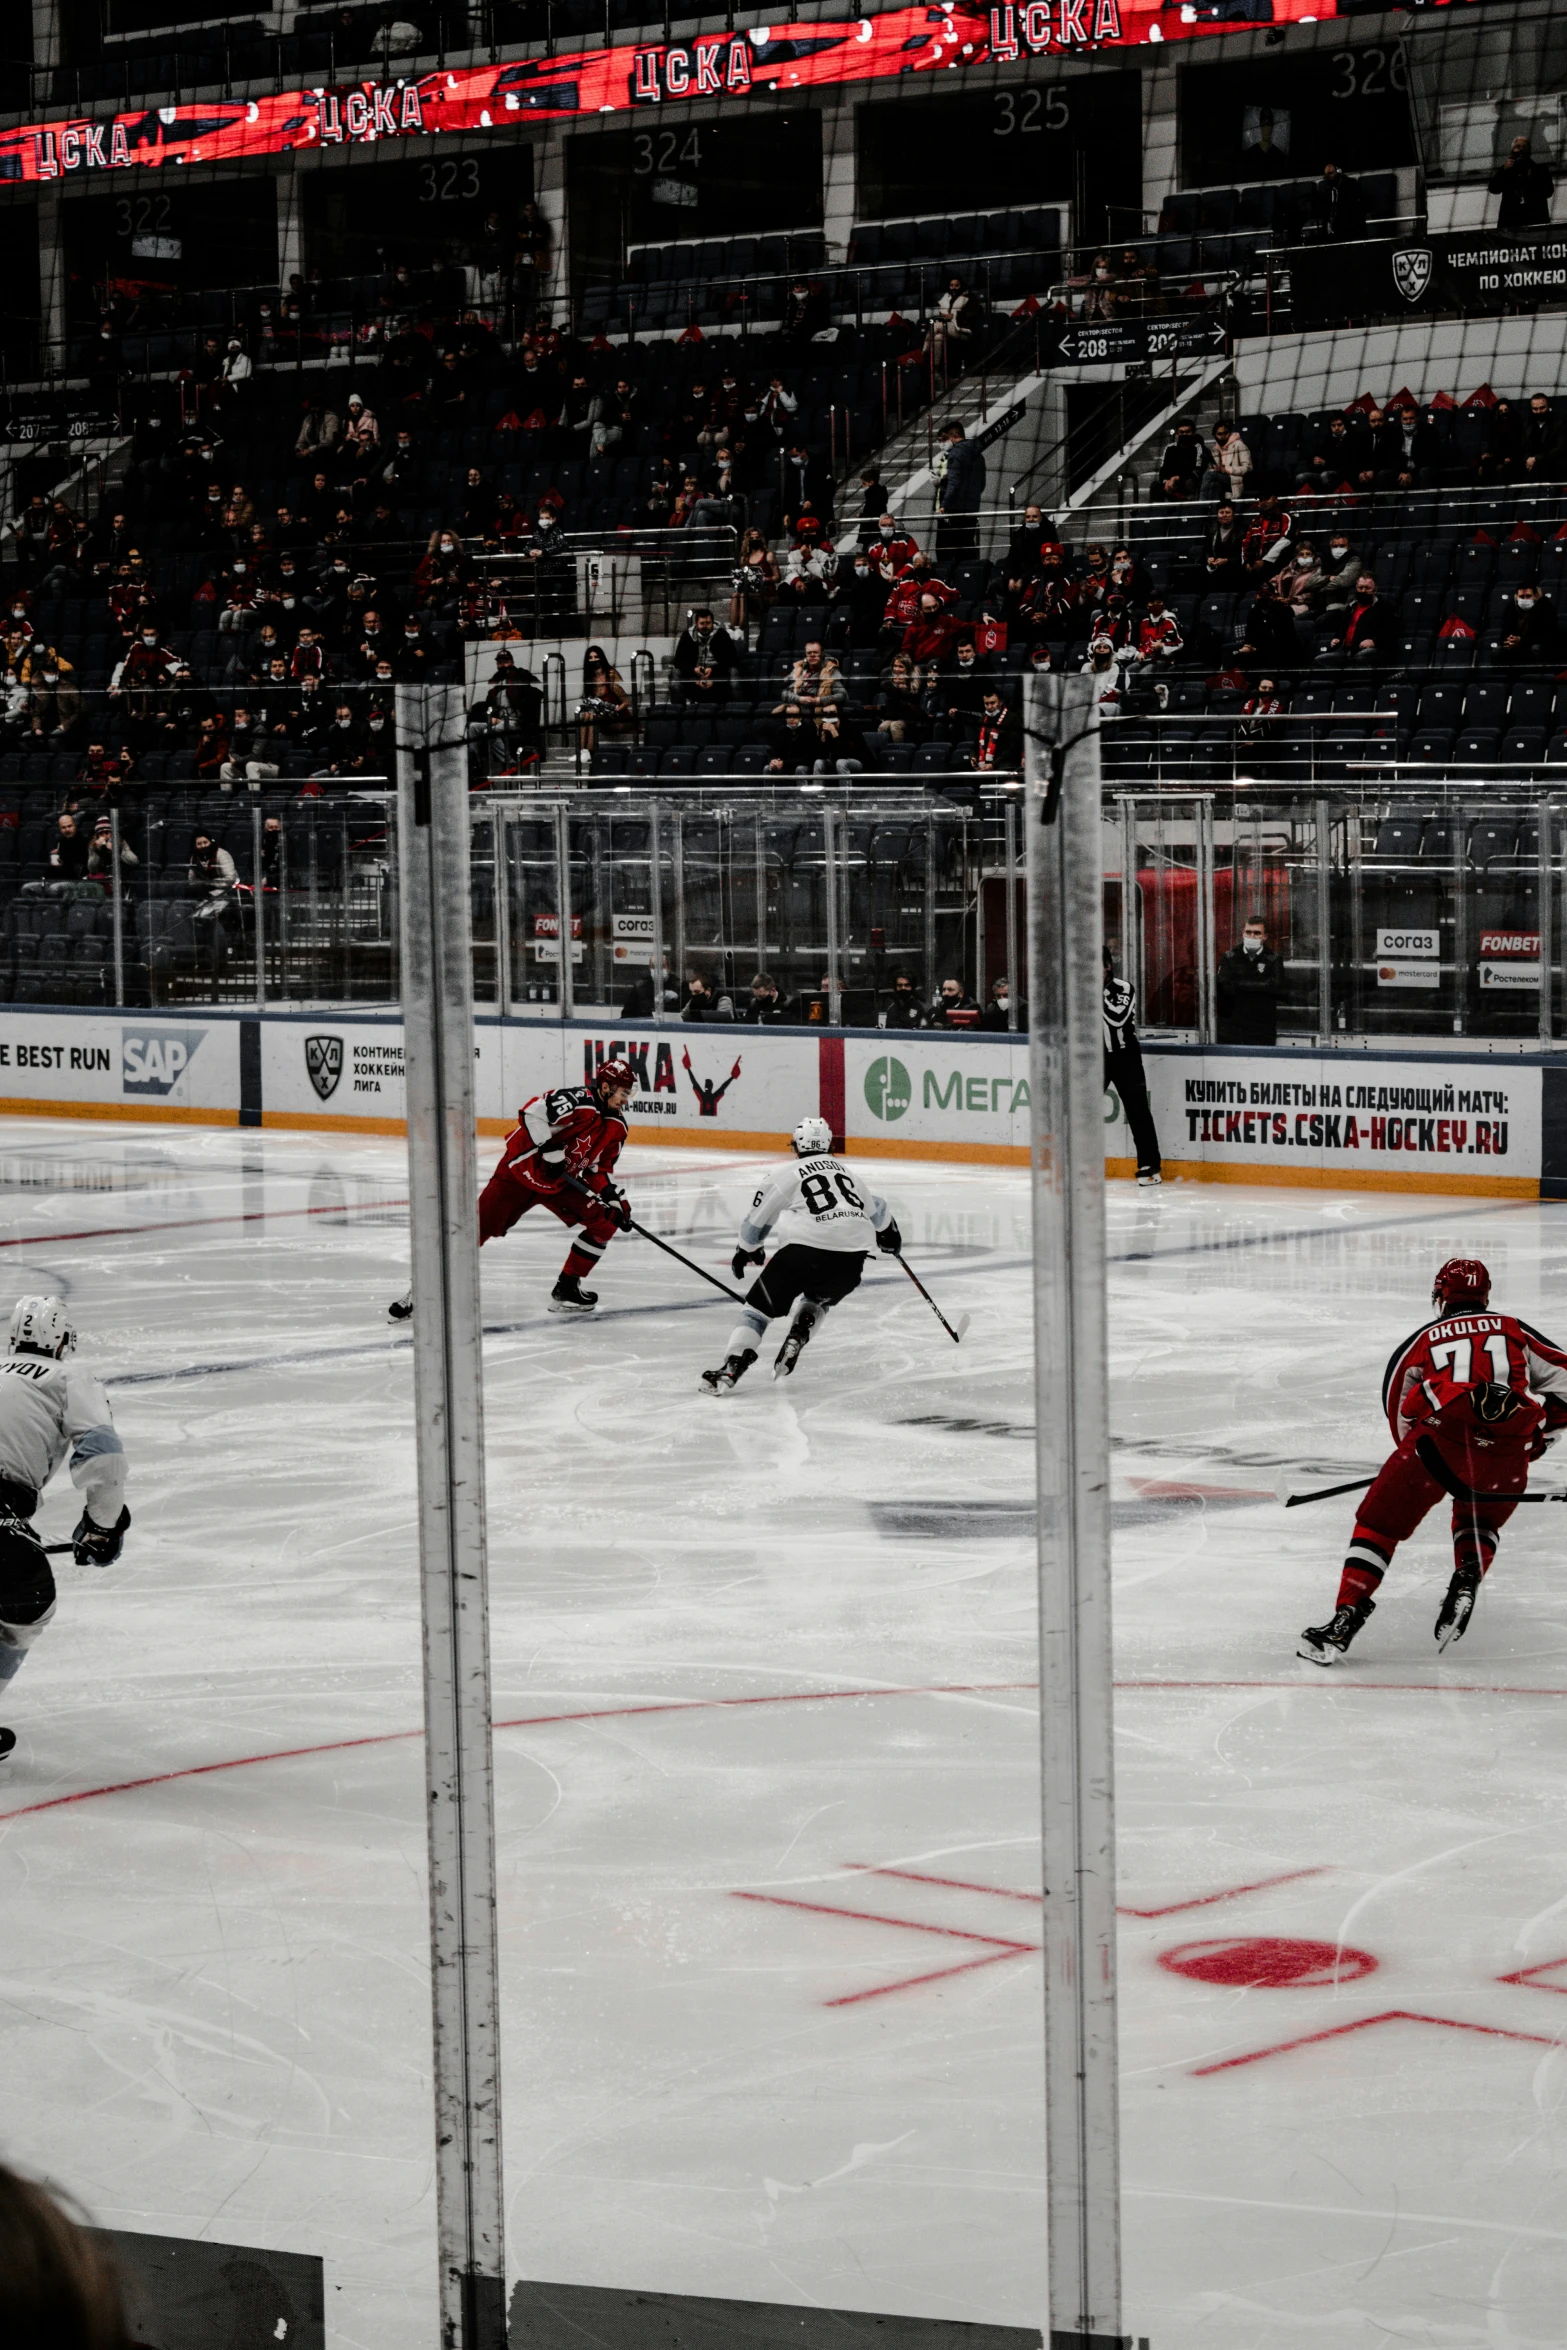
(622, 79)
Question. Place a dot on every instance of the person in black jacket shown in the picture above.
(1540, 448)
(1269, 642)
(903, 1009)
(766, 1008)
(1251, 981)
(1531, 633)
(1525, 187)
(1124, 1070)
(703, 1001)
(1338, 209)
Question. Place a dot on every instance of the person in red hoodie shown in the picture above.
(932, 633)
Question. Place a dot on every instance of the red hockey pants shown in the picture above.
(509, 1195)
(1404, 1490)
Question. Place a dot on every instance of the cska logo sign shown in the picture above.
(1036, 26)
(693, 69)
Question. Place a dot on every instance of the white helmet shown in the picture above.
(810, 1136)
(41, 1326)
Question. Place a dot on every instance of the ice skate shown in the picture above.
(7, 1747)
(792, 1348)
(569, 1297)
(1324, 1644)
(401, 1308)
(1459, 1605)
(1144, 1179)
(727, 1377)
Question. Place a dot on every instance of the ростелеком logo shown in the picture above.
(153, 1060)
(324, 1061)
(889, 1090)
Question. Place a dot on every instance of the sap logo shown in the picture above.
(153, 1060)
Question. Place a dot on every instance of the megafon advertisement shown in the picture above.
(764, 59)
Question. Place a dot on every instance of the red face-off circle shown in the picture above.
(1259, 1963)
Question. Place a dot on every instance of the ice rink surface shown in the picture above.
(768, 1811)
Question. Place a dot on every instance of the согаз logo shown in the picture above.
(153, 1060)
(889, 1090)
(324, 1061)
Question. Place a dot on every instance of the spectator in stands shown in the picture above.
(807, 489)
(1184, 462)
(1340, 574)
(932, 633)
(1269, 540)
(997, 738)
(1137, 286)
(1370, 634)
(1262, 706)
(810, 566)
(840, 746)
(1099, 299)
(814, 680)
(1377, 461)
(704, 1003)
(766, 1008)
(903, 1008)
(873, 500)
(605, 707)
(864, 598)
(100, 854)
(1268, 640)
(1222, 557)
(703, 645)
(997, 1012)
(1157, 636)
(1531, 632)
(1419, 454)
(68, 850)
(611, 416)
(805, 312)
(901, 713)
(1231, 463)
(954, 1007)
(1250, 983)
(50, 682)
(893, 548)
(1525, 187)
(792, 741)
(1540, 444)
(952, 324)
(960, 478)
(755, 580)
(1021, 560)
(1337, 212)
(1302, 578)
(1106, 666)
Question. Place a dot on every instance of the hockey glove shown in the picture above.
(618, 1205)
(743, 1258)
(890, 1240)
(99, 1546)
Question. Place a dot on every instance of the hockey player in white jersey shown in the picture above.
(51, 1409)
(831, 1229)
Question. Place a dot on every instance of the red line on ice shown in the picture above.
(1000, 1947)
(601, 1713)
(1392, 2015)
(1230, 1893)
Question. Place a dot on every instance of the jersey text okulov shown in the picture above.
(1431, 1370)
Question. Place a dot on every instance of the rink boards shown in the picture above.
(1480, 1122)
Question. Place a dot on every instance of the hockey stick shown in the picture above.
(1293, 1501)
(955, 1333)
(631, 1225)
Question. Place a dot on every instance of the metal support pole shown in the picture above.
(759, 851)
(116, 909)
(656, 900)
(979, 914)
(1131, 904)
(565, 993)
(500, 835)
(830, 866)
(930, 907)
(1545, 917)
(677, 879)
(437, 971)
(1009, 822)
(1203, 812)
(258, 911)
(1322, 827)
(1082, 2127)
(1461, 924)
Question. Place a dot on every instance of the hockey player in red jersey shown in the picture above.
(1471, 1400)
(561, 1155)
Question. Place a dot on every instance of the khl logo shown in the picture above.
(153, 1060)
(324, 1061)
(889, 1089)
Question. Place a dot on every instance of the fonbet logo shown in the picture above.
(889, 1090)
(153, 1060)
(324, 1061)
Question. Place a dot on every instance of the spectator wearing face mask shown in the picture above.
(892, 549)
(997, 1014)
(903, 1008)
(766, 1008)
(1340, 576)
(955, 1007)
(1250, 983)
(1531, 634)
(1370, 633)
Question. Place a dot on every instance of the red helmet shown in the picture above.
(1462, 1281)
(612, 1075)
